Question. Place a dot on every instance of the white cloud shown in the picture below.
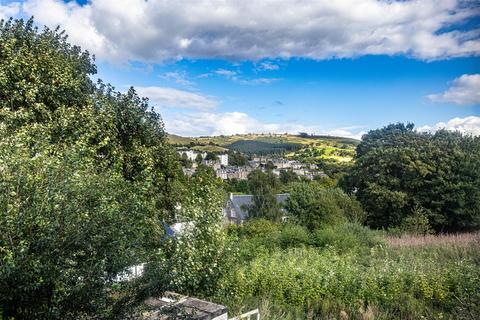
(169, 97)
(228, 123)
(467, 125)
(179, 77)
(355, 132)
(236, 77)
(256, 81)
(9, 10)
(268, 66)
(159, 30)
(465, 90)
(225, 73)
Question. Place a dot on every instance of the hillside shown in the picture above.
(336, 149)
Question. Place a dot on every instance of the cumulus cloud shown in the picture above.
(9, 10)
(226, 73)
(467, 125)
(160, 30)
(179, 77)
(267, 66)
(228, 123)
(355, 132)
(169, 97)
(464, 90)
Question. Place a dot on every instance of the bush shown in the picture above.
(348, 236)
(314, 206)
(292, 236)
(416, 223)
(258, 228)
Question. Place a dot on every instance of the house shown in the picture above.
(191, 155)
(231, 172)
(235, 209)
(223, 159)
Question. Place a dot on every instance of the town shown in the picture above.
(219, 162)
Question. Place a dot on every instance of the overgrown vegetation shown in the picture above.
(349, 271)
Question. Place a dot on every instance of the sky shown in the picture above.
(321, 66)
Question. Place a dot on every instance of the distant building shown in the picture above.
(191, 154)
(232, 172)
(235, 209)
(223, 159)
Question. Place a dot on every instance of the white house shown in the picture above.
(192, 155)
(223, 159)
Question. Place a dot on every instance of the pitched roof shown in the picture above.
(241, 202)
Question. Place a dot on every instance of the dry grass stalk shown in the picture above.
(458, 239)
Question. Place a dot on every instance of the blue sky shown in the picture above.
(228, 68)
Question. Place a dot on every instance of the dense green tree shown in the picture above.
(185, 161)
(236, 158)
(41, 73)
(199, 158)
(86, 177)
(212, 156)
(314, 206)
(398, 169)
(263, 186)
(287, 176)
(235, 185)
(66, 231)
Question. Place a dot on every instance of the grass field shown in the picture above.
(313, 148)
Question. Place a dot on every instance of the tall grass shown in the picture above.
(458, 239)
(347, 272)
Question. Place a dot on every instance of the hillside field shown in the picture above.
(336, 149)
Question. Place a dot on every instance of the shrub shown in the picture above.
(416, 223)
(345, 237)
(293, 236)
(314, 206)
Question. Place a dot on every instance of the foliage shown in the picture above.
(398, 169)
(236, 186)
(199, 158)
(314, 206)
(236, 159)
(211, 156)
(193, 261)
(416, 223)
(263, 186)
(385, 283)
(185, 161)
(66, 231)
(40, 73)
(288, 176)
(86, 178)
(347, 237)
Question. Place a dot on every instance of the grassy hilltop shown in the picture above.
(294, 146)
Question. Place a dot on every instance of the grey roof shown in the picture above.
(241, 202)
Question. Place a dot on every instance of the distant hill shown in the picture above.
(303, 147)
(262, 147)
